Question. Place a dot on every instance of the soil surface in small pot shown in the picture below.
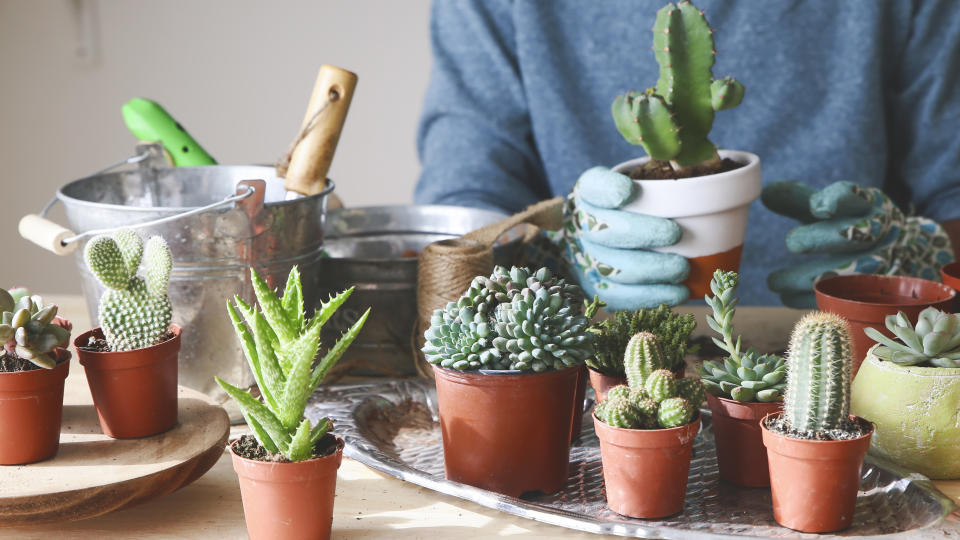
(661, 170)
(848, 429)
(247, 446)
(101, 345)
(11, 363)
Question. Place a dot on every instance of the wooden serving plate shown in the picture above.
(93, 474)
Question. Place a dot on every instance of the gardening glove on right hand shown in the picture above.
(610, 250)
(858, 230)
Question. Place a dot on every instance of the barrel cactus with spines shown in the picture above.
(691, 390)
(674, 412)
(642, 357)
(28, 329)
(819, 364)
(673, 121)
(933, 342)
(134, 312)
(660, 385)
(513, 320)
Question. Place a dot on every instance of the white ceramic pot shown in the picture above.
(711, 210)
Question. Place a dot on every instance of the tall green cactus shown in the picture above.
(134, 312)
(818, 373)
(642, 357)
(673, 121)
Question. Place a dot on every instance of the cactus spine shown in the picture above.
(673, 121)
(818, 373)
(134, 312)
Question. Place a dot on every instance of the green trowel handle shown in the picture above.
(148, 121)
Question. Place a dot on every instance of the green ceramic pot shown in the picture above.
(916, 411)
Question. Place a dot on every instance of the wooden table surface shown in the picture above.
(369, 505)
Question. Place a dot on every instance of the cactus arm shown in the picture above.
(726, 93)
(337, 351)
(818, 375)
(646, 120)
(131, 247)
(105, 260)
(159, 263)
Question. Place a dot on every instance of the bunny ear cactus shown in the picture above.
(134, 312)
(280, 345)
(934, 342)
(672, 121)
(27, 328)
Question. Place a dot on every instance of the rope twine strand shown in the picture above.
(284, 162)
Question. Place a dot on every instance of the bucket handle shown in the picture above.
(61, 241)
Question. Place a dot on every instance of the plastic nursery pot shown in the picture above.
(865, 300)
(603, 383)
(914, 413)
(288, 500)
(711, 210)
(134, 392)
(950, 273)
(814, 484)
(645, 470)
(508, 433)
(741, 456)
(580, 394)
(31, 406)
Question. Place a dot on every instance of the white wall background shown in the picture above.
(236, 73)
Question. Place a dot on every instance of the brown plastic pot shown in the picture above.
(865, 300)
(580, 395)
(508, 433)
(603, 383)
(288, 500)
(31, 406)
(741, 456)
(645, 470)
(814, 484)
(950, 273)
(134, 392)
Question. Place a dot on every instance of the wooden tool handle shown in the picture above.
(46, 234)
(310, 160)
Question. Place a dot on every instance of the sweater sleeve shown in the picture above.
(475, 138)
(925, 103)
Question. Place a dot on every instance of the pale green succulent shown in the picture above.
(27, 328)
(934, 341)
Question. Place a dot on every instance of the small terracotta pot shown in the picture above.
(579, 397)
(603, 383)
(741, 456)
(288, 500)
(31, 406)
(865, 300)
(134, 392)
(645, 470)
(950, 273)
(508, 433)
(814, 484)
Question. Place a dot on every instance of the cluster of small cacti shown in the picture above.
(28, 330)
(818, 375)
(280, 344)
(513, 320)
(933, 342)
(743, 375)
(653, 397)
(612, 335)
(134, 312)
(673, 120)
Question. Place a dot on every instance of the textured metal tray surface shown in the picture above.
(393, 427)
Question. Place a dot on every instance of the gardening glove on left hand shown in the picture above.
(857, 230)
(610, 250)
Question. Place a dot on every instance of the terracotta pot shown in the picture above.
(741, 456)
(134, 392)
(711, 210)
(914, 413)
(288, 500)
(508, 433)
(865, 300)
(580, 395)
(31, 405)
(603, 383)
(645, 470)
(950, 273)
(814, 484)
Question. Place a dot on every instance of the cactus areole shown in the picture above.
(672, 121)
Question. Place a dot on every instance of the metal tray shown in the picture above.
(393, 427)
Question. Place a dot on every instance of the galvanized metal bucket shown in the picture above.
(218, 221)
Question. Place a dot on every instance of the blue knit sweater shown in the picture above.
(864, 90)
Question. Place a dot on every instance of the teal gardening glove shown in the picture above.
(610, 251)
(857, 230)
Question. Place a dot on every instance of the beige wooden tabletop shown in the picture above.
(368, 505)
